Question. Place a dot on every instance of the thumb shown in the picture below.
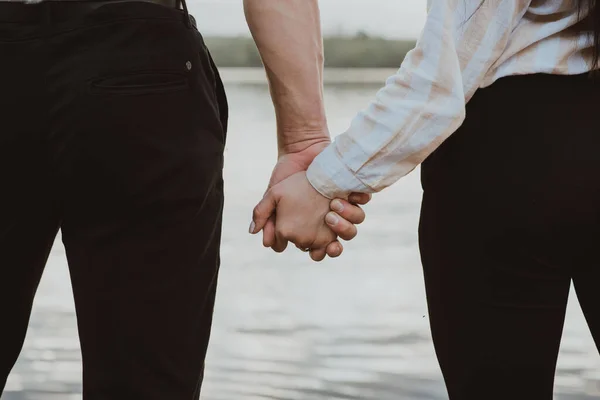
(262, 212)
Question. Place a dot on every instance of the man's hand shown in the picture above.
(304, 217)
(288, 38)
(299, 159)
(349, 213)
(301, 214)
(287, 165)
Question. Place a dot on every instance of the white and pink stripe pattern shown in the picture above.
(465, 45)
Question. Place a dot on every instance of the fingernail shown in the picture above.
(332, 219)
(337, 206)
(252, 227)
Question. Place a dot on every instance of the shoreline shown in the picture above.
(256, 75)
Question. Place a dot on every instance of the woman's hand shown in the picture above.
(342, 220)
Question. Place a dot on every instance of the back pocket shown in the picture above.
(140, 83)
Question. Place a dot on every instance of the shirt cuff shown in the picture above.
(331, 177)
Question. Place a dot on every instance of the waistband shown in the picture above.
(62, 10)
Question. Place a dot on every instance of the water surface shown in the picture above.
(286, 328)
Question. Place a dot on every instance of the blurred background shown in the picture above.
(286, 328)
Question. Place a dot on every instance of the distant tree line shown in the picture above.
(360, 51)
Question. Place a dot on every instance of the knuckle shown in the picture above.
(350, 232)
(280, 246)
(286, 233)
(335, 254)
(354, 213)
(360, 217)
(318, 257)
(256, 212)
(281, 228)
(324, 241)
(342, 226)
(304, 244)
(274, 192)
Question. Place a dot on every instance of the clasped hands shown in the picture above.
(293, 211)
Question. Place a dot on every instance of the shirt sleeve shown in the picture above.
(424, 102)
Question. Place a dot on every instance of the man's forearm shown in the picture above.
(288, 37)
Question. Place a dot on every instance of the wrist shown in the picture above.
(306, 142)
(298, 140)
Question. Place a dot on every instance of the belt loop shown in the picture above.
(186, 14)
